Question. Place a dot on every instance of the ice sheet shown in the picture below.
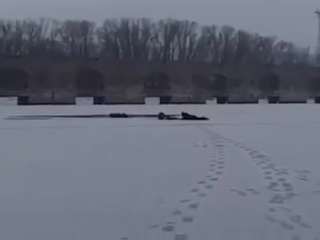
(251, 172)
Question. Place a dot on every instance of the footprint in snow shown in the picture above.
(176, 212)
(216, 179)
(193, 205)
(280, 173)
(253, 191)
(272, 185)
(282, 180)
(277, 199)
(202, 194)
(154, 226)
(295, 237)
(241, 193)
(271, 219)
(288, 185)
(303, 171)
(181, 236)
(286, 225)
(288, 188)
(194, 190)
(286, 209)
(296, 219)
(303, 178)
(187, 219)
(169, 227)
(305, 225)
(291, 195)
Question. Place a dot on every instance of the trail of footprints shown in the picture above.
(186, 209)
(277, 182)
(281, 188)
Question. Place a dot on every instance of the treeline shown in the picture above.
(143, 39)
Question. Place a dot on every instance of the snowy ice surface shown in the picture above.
(250, 173)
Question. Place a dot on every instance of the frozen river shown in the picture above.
(251, 172)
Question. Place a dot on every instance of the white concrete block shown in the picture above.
(263, 101)
(181, 237)
(152, 101)
(8, 101)
(84, 101)
(311, 101)
(211, 101)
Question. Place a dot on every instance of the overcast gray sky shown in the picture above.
(292, 20)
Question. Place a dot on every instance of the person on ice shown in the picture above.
(184, 116)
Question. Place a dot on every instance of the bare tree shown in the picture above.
(209, 44)
(108, 39)
(166, 39)
(6, 31)
(227, 44)
(87, 30)
(142, 39)
(70, 35)
(242, 46)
